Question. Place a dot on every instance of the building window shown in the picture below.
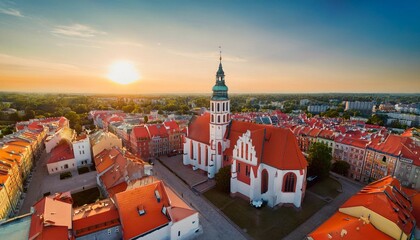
(264, 181)
(109, 231)
(212, 118)
(239, 168)
(179, 233)
(247, 171)
(289, 182)
(384, 159)
(218, 107)
(218, 119)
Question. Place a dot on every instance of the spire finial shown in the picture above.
(220, 50)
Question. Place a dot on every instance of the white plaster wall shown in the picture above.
(186, 227)
(81, 150)
(60, 166)
(161, 234)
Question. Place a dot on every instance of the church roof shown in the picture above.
(199, 128)
(274, 146)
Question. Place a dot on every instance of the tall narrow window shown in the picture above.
(218, 107)
(246, 151)
(219, 148)
(191, 150)
(199, 154)
(239, 168)
(264, 181)
(289, 182)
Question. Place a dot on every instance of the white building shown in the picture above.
(317, 108)
(82, 151)
(360, 106)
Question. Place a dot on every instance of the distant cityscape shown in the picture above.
(91, 167)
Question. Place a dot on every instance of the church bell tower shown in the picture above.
(219, 120)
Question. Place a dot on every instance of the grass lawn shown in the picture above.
(264, 223)
(326, 188)
(85, 197)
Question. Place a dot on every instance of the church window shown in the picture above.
(212, 118)
(218, 119)
(224, 118)
(219, 148)
(242, 150)
(212, 106)
(218, 107)
(191, 150)
(289, 182)
(246, 151)
(199, 154)
(264, 181)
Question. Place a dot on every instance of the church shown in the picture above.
(266, 162)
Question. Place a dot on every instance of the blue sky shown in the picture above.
(268, 46)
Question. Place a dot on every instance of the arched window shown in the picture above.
(218, 107)
(223, 107)
(218, 119)
(212, 118)
(219, 148)
(246, 151)
(212, 106)
(264, 181)
(289, 182)
(242, 150)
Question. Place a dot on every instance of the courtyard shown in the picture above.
(278, 222)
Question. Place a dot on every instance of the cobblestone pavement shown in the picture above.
(42, 183)
(214, 224)
(349, 188)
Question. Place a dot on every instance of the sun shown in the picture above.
(123, 72)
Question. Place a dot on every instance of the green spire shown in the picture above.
(220, 89)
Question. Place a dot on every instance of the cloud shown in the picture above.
(76, 30)
(13, 63)
(11, 12)
(209, 55)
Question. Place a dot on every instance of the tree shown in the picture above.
(341, 167)
(146, 119)
(319, 160)
(223, 179)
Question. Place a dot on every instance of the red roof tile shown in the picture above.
(130, 202)
(60, 153)
(141, 132)
(199, 128)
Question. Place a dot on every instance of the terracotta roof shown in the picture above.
(172, 126)
(141, 132)
(327, 134)
(51, 219)
(105, 159)
(314, 132)
(131, 202)
(157, 130)
(343, 226)
(274, 146)
(384, 197)
(199, 128)
(95, 217)
(60, 153)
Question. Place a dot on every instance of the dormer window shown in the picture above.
(157, 195)
(141, 210)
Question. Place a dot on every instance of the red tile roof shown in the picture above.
(343, 226)
(95, 217)
(141, 132)
(274, 146)
(199, 128)
(129, 203)
(105, 159)
(172, 126)
(384, 197)
(157, 130)
(60, 153)
(51, 219)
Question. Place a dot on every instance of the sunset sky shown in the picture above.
(268, 47)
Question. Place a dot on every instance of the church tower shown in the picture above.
(219, 120)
